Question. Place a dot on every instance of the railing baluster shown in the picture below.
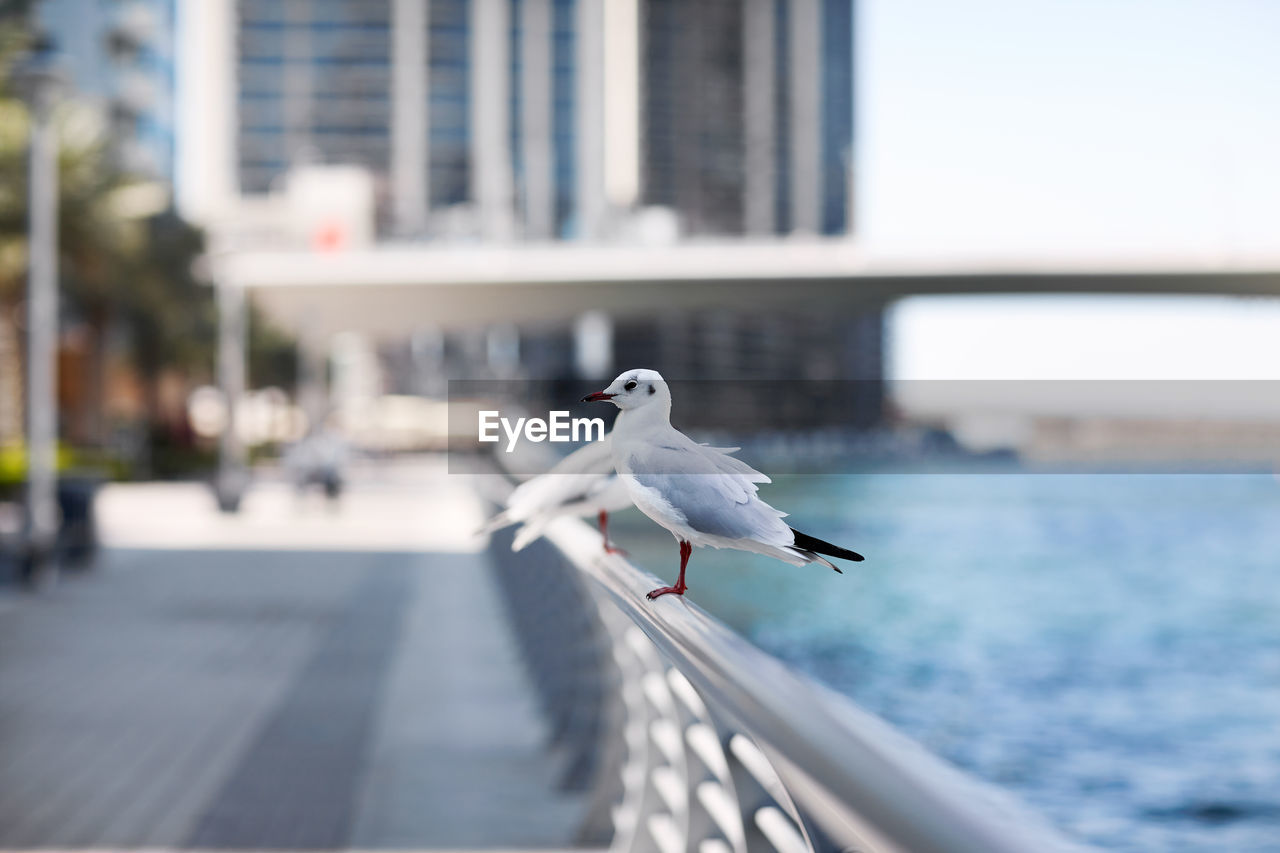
(780, 831)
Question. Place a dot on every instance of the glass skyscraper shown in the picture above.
(121, 57)
(314, 86)
(748, 113)
(837, 115)
(564, 115)
(448, 102)
(486, 119)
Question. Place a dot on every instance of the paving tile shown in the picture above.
(277, 699)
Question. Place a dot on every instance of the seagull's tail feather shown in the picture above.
(528, 533)
(805, 542)
(815, 557)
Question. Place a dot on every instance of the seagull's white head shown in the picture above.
(635, 389)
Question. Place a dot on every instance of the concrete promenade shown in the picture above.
(298, 677)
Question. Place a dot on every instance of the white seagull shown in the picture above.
(582, 484)
(701, 494)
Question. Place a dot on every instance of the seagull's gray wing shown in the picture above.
(715, 493)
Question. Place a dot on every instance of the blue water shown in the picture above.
(1105, 646)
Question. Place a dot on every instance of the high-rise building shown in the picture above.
(120, 55)
(462, 110)
(314, 86)
(553, 119)
(748, 114)
(504, 120)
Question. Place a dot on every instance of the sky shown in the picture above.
(1085, 337)
(1083, 126)
(1073, 129)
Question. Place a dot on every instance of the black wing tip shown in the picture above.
(818, 546)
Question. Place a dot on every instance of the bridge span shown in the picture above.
(391, 290)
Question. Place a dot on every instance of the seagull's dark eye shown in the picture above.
(630, 386)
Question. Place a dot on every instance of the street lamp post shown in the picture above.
(233, 478)
(40, 82)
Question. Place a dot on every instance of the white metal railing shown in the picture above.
(727, 750)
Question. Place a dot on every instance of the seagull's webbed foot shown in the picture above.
(678, 589)
(609, 547)
(685, 550)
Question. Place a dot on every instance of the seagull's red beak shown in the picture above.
(597, 397)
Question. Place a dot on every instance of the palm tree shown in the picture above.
(116, 272)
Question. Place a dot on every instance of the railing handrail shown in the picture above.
(861, 780)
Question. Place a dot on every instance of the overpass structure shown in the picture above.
(393, 290)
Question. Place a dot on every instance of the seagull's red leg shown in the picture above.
(603, 519)
(685, 550)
